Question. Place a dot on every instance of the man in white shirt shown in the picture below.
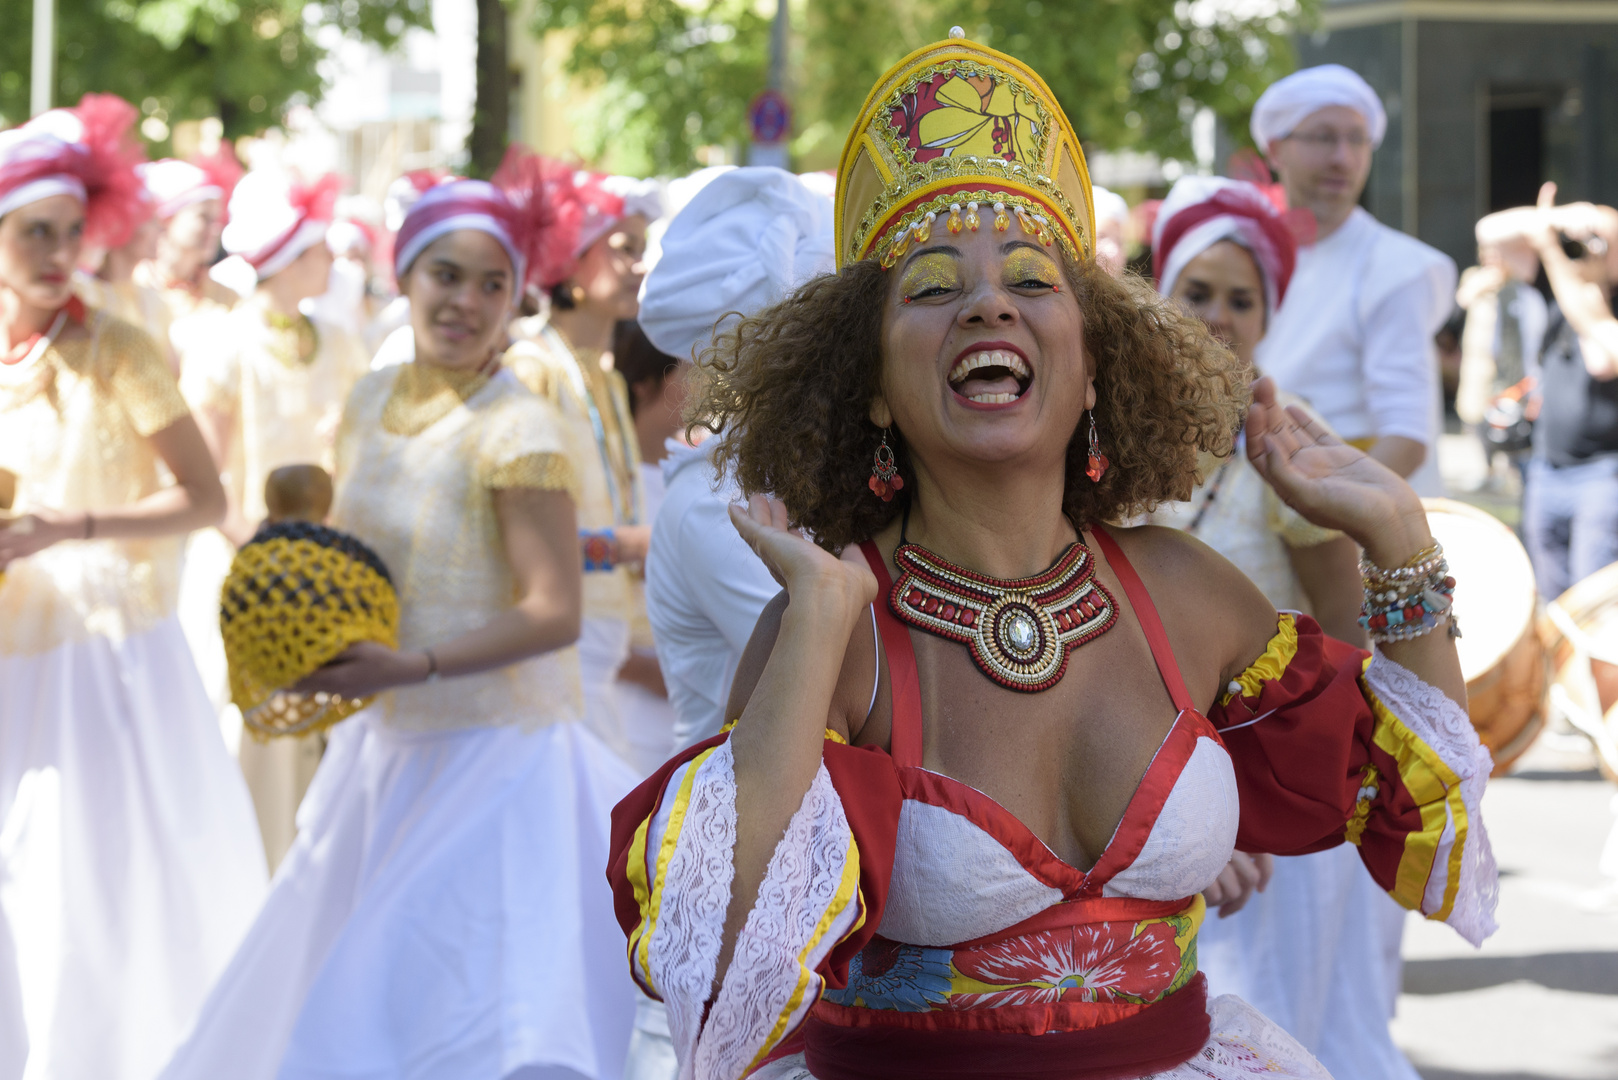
(743, 243)
(1356, 335)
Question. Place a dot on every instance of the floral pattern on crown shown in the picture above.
(967, 110)
(953, 123)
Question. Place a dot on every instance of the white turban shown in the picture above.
(741, 244)
(1110, 206)
(1290, 101)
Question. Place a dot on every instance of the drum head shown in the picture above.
(1494, 582)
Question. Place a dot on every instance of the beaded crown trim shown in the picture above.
(1019, 632)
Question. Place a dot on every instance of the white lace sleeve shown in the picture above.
(1460, 890)
(809, 901)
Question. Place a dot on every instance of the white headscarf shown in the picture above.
(742, 243)
(1290, 101)
(271, 221)
(1110, 206)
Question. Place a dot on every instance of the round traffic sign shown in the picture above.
(770, 117)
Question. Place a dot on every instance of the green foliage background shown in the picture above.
(673, 76)
(243, 61)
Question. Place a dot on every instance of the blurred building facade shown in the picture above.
(1486, 100)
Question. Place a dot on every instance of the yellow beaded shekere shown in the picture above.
(297, 595)
(957, 135)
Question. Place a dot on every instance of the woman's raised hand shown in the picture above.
(1331, 483)
(805, 570)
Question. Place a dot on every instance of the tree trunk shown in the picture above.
(491, 116)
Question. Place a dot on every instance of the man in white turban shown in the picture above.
(1319, 950)
(1356, 337)
(744, 242)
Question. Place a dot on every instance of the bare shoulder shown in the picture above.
(850, 701)
(1209, 607)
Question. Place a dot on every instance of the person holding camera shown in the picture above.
(1570, 500)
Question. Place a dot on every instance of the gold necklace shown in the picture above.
(293, 339)
(424, 394)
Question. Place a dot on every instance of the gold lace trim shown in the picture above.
(541, 472)
(424, 394)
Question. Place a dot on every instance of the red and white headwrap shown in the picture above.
(605, 200)
(525, 208)
(1201, 211)
(274, 218)
(88, 152)
(175, 185)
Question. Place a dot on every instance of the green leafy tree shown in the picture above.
(243, 61)
(671, 76)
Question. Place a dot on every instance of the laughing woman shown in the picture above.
(441, 914)
(129, 868)
(971, 840)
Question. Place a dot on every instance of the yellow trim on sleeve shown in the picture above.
(847, 890)
(1436, 791)
(1273, 664)
(651, 908)
(830, 734)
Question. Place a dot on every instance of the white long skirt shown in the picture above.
(1318, 953)
(444, 914)
(130, 864)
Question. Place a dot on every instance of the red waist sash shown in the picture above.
(1155, 1039)
(1090, 989)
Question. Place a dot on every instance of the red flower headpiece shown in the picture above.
(90, 147)
(548, 213)
(223, 171)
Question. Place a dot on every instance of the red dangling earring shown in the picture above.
(885, 478)
(1098, 461)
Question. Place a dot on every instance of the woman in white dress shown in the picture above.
(1309, 950)
(442, 912)
(129, 867)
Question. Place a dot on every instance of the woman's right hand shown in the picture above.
(804, 569)
(31, 533)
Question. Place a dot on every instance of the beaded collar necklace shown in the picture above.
(24, 354)
(1018, 632)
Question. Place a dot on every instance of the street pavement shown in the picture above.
(1540, 999)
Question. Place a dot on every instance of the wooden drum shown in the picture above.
(1502, 654)
(1580, 629)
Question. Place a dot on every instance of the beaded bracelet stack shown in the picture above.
(1410, 601)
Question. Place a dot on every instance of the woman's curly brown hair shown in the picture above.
(789, 392)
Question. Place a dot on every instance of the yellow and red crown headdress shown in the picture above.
(950, 135)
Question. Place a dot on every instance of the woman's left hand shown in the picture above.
(363, 669)
(1331, 483)
(1243, 876)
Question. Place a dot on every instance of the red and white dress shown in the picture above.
(910, 926)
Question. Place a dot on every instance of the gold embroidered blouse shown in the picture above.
(594, 405)
(285, 408)
(73, 427)
(423, 498)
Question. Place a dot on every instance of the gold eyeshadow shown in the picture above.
(1026, 264)
(932, 271)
